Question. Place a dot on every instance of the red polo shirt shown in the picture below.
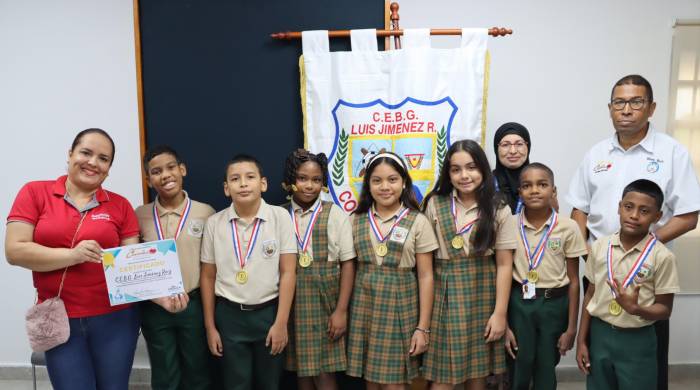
(42, 204)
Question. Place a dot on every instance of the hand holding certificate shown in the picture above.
(142, 271)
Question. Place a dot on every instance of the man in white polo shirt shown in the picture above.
(636, 151)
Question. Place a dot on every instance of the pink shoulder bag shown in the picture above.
(47, 322)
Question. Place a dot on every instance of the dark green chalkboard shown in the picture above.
(215, 84)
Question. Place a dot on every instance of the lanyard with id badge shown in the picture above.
(535, 257)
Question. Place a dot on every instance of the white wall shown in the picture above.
(554, 75)
(65, 66)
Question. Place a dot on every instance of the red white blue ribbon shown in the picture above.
(304, 243)
(466, 228)
(375, 226)
(635, 267)
(535, 258)
(237, 249)
(180, 224)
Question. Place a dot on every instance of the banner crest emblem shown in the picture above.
(416, 130)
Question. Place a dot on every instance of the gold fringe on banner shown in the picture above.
(302, 91)
(487, 64)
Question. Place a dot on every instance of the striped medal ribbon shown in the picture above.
(614, 308)
(180, 224)
(303, 243)
(535, 258)
(382, 249)
(242, 275)
(458, 240)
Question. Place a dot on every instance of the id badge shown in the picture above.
(528, 290)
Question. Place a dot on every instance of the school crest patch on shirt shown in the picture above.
(554, 244)
(196, 227)
(399, 234)
(269, 248)
(643, 273)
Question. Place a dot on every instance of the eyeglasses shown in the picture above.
(520, 145)
(635, 104)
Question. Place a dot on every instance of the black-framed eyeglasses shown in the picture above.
(635, 104)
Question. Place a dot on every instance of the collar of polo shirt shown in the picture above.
(263, 212)
(647, 143)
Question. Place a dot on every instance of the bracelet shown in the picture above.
(426, 331)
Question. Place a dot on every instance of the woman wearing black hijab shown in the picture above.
(512, 146)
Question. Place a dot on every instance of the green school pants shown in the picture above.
(247, 363)
(177, 346)
(537, 325)
(622, 359)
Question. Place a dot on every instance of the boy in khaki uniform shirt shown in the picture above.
(173, 326)
(633, 279)
(247, 280)
(543, 309)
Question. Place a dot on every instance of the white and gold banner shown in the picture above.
(414, 101)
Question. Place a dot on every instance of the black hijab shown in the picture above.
(509, 179)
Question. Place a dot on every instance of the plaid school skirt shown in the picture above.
(465, 297)
(383, 317)
(310, 352)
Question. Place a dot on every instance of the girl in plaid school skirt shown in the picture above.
(325, 273)
(392, 299)
(473, 271)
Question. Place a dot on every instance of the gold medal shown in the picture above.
(242, 277)
(381, 250)
(614, 308)
(532, 276)
(305, 260)
(458, 242)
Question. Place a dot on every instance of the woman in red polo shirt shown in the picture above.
(63, 224)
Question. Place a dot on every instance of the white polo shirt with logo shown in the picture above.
(596, 187)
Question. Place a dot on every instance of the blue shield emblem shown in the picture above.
(418, 131)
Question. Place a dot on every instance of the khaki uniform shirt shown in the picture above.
(565, 242)
(189, 242)
(420, 238)
(340, 245)
(506, 237)
(275, 237)
(657, 276)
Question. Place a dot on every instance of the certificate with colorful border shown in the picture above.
(142, 271)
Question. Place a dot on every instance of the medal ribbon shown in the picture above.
(635, 267)
(304, 244)
(534, 259)
(375, 226)
(242, 261)
(466, 228)
(180, 225)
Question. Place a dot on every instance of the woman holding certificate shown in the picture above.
(58, 228)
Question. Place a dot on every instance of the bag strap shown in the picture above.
(72, 245)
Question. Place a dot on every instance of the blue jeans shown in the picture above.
(99, 353)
